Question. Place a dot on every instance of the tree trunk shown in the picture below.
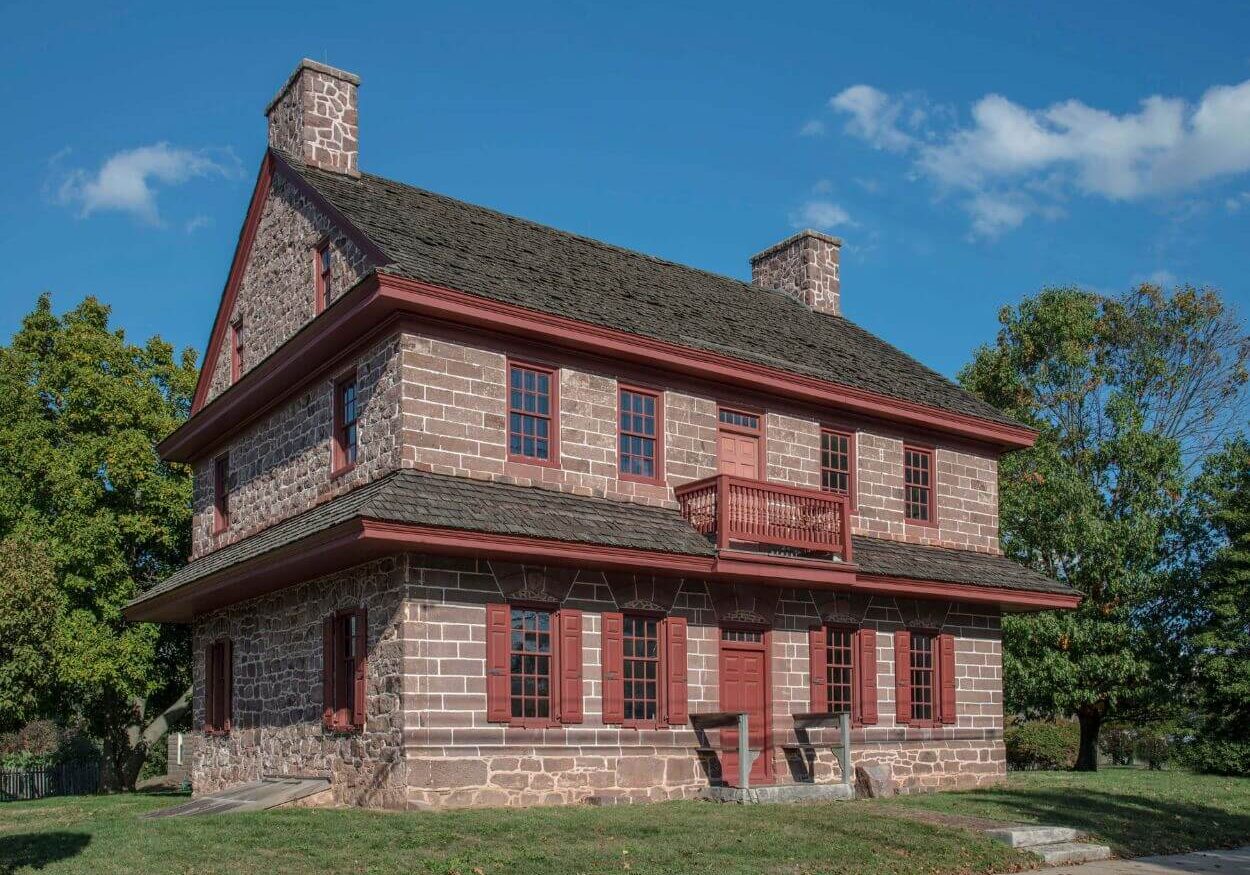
(126, 750)
(1090, 718)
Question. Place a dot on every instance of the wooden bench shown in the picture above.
(842, 749)
(747, 756)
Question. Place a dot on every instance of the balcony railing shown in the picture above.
(740, 512)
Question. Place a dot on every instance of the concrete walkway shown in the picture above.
(1224, 862)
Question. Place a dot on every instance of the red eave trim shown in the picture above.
(447, 304)
(962, 592)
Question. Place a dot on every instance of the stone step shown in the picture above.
(1030, 836)
(1064, 853)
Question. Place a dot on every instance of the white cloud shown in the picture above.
(822, 214)
(195, 223)
(1011, 161)
(813, 128)
(128, 181)
(1235, 202)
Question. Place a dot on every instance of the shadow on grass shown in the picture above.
(38, 849)
(1134, 825)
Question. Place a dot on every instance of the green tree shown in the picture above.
(1125, 392)
(80, 412)
(30, 604)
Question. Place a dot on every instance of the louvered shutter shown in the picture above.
(498, 704)
(570, 710)
(327, 674)
(227, 701)
(946, 676)
(210, 689)
(613, 655)
(361, 649)
(818, 669)
(866, 640)
(678, 692)
(902, 677)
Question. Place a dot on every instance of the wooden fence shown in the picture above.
(74, 778)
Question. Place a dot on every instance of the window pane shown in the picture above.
(530, 664)
(642, 667)
(529, 419)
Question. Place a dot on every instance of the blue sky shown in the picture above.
(969, 153)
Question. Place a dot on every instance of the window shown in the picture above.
(737, 418)
(346, 427)
(322, 263)
(236, 351)
(218, 687)
(644, 670)
(843, 672)
(918, 485)
(921, 678)
(221, 494)
(641, 435)
(345, 670)
(532, 406)
(740, 445)
(533, 665)
(837, 468)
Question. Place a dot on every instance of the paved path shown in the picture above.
(1224, 862)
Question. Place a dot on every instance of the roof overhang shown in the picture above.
(360, 540)
(380, 302)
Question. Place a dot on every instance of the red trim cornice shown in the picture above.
(360, 540)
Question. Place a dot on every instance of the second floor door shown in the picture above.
(739, 454)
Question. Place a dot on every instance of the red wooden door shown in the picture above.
(744, 680)
(739, 455)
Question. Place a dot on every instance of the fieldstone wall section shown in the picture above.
(315, 118)
(277, 702)
(277, 293)
(805, 267)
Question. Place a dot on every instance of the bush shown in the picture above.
(1042, 745)
(1118, 745)
(1154, 748)
(1218, 757)
(41, 743)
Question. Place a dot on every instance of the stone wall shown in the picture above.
(277, 702)
(315, 118)
(277, 293)
(281, 464)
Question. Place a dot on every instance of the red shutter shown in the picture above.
(867, 657)
(818, 669)
(498, 705)
(570, 710)
(327, 674)
(613, 655)
(227, 704)
(678, 693)
(902, 677)
(946, 676)
(210, 689)
(361, 649)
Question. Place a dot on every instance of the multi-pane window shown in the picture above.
(835, 462)
(641, 641)
(742, 636)
(218, 683)
(530, 660)
(638, 438)
(918, 484)
(346, 659)
(922, 677)
(840, 675)
(322, 262)
(221, 493)
(530, 406)
(739, 419)
(346, 425)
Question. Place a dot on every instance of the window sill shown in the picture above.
(923, 524)
(542, 463)
(343, 730)
(342, 471)
(217, 733)
(648, 481)
(532, 723)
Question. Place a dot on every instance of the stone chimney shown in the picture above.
(805, 267)
(314, 118)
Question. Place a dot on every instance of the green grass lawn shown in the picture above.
(1137, 812)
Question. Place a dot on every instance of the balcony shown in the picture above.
(737, 513)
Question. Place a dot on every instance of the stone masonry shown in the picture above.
(805, 267)
(315, 118)
(427, 742)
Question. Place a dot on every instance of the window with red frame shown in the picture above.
(843, 672)
(918, 485)
(639, 435)
(533, 665)
(322, 263)
(221, 493)
(924, 675)
(531, 402)
(644, 660)
(236, 351)
(642, 674)
(346, 425)
(835, 462)
(218, 687)
(922, 678)
(345, 670)
(840, 668)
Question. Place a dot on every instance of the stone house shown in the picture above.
(487, 513)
